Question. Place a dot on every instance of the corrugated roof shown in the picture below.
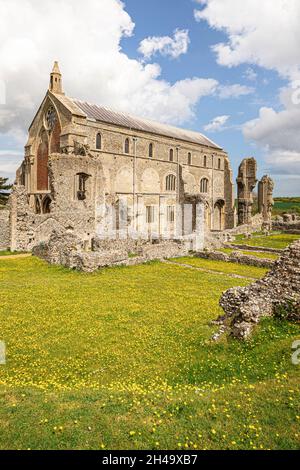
(103, 114)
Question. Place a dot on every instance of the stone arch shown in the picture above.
(150, 182)
(42, 163)
(46, 205)
(219, 215)
(124, 180)
(55, 138)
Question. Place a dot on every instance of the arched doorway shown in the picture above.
(219, 215)
(42, 164)
(46, 205)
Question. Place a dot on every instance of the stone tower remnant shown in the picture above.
(246, 182)
(265, 200)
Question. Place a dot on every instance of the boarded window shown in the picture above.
(204, 185)
(171, 214)
(150, 214)
(171, 183)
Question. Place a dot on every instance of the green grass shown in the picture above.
(223, 267)
(122, 359)
(289, 205)
(5, 253)
(9, 253)
(278, 241)
(257, 254)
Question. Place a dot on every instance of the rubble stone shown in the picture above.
(266, 296)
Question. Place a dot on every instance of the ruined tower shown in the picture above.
(265, 200)
(246, 183)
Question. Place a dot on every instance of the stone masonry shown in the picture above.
(245, 306)
(265, 200)
(4, 230)
(246, 182)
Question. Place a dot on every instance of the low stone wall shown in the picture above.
(4, 230)
(237, 257)
(245, 306)
(254, 248)
(66, 249)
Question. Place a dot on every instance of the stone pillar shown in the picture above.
(246, 182)
(265, 200)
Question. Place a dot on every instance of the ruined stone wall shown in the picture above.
(245, 306)
(4, 230)
(237, 257)
(246, 182)
(66, 249)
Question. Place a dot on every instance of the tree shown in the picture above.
(4, 190)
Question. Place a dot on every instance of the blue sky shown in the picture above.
(115, 72)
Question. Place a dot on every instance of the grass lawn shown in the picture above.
(5, 253)
(122, 359)
(258, 254)
(278, 241)
(224, 267)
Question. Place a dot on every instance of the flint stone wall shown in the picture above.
(236, 257)
(245, 306)
(66, 249)
(4, 230)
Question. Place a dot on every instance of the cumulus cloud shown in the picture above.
(165, 45)
(278, 133)
(269, 39)
(234, 91)
(85, 37)
(250, 74)
(217, 124)
(265, 33)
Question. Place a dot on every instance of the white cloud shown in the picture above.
(217, 124)
(85, 37)
(278, 133)
(234, 91)
(265, 33)
(165, 45)
(250, 74)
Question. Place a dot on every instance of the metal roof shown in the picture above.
(103, 114)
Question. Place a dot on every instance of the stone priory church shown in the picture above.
(97, 172)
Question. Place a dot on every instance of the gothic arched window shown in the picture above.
(171, 183)
(189, 158)
(205, 161)
(99, 141)
(171, 155)
(204, 185)
(127, 146)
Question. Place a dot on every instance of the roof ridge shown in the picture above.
(137, 122)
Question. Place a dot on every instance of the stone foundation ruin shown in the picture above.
(277, 292)
(66, 249)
